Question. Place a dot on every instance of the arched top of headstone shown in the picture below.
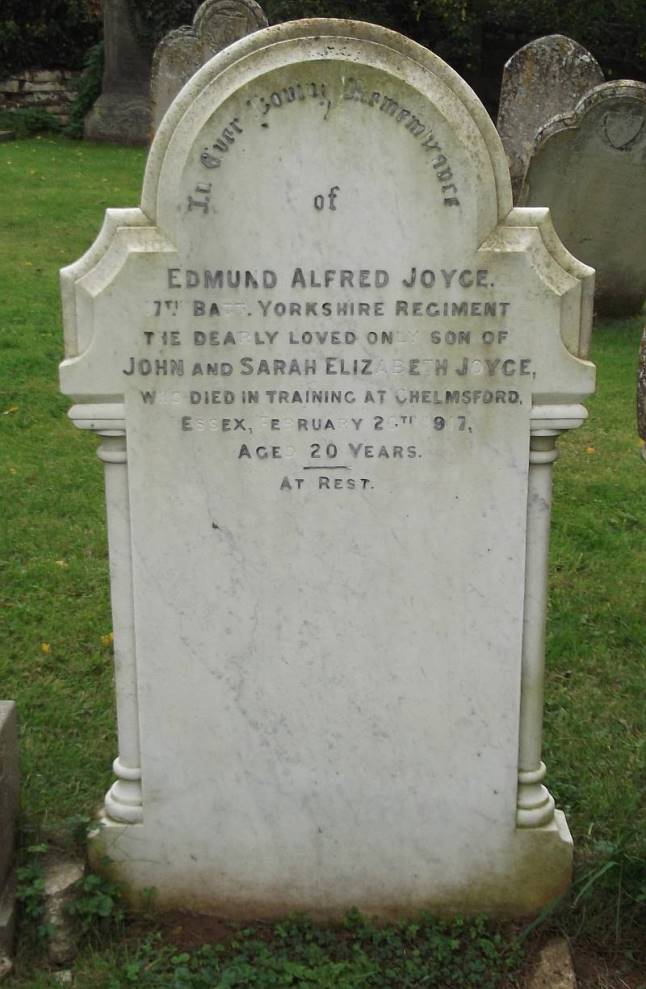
(563, 57)
(298, 45)
(619, 108)
(581, 167)
(218, 23)
(544, 78)
(180, 39)
(267, 127)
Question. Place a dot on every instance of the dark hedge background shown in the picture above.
(474, 36)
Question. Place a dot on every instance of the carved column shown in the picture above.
(535, 805)
(123, 802)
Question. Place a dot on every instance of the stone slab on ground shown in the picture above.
(61, 878)
(329, 363)
(543, 79)
(589, 167)
(554, 968)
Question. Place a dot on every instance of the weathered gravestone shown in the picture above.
(544, 78)
(329, 367)
(217, 23)
(9, 793)
(122, 111)
(589, 167)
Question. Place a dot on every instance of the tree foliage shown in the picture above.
(47, 34)
(152, 19)
(476, 37)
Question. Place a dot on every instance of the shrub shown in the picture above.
(88, 90)
(152, 19)
(476, 37)
(30, 121)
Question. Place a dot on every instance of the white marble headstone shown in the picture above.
(329, 364)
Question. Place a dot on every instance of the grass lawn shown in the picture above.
(55, 654)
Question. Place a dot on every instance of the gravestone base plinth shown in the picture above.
(514, 875)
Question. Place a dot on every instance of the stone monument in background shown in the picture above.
(329, 364)
(122, 112)
(544, 78)
(589, 167)
(217, 23)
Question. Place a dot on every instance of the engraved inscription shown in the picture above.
(412, 358)
(354, 92)
(329, 200)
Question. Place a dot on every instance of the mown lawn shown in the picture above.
(55, 654)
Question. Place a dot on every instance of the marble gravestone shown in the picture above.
(217, 23)
(589, 167)
(329, 364)
(544, 78)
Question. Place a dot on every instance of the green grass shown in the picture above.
(54, 584)
(53, 552)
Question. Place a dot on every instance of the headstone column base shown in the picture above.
(124, 800)
(535, 805)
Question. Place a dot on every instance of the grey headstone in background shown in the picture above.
(589, 167)
(544, 78)
(217, 23)
(641, 393)
(174, 63)
(122, 112)
(9, 789)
